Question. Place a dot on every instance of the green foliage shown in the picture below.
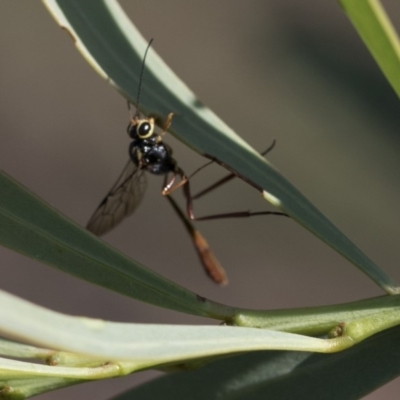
(81, 349)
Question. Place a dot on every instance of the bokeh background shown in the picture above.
(292, 71)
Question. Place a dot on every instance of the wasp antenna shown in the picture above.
(129, 109)
(141, 78)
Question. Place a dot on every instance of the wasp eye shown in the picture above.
(140, 129)
(144, 130)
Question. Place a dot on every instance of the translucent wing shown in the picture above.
(121, 201)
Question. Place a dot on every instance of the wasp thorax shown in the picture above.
(140, 129)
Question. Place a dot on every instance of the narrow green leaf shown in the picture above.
(374, 26)
(25, 388)
(131, 346)
(317, 321)
(113, 46)
(348, 375)
(32, 227)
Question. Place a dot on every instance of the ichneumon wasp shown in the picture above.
(148, 152)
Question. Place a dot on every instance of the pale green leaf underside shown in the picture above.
(280, 375)
(132, 347)
(115, 48)
(142, 344)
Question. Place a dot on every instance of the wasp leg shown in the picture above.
(211, 265)
(237, 214)
(167, 124)
(223, 180)
(215, 185)
(170, 186)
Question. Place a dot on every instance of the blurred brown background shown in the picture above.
(292, 71)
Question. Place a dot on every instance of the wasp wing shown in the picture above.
(120, 202)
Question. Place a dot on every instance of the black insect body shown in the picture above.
(148, 151)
